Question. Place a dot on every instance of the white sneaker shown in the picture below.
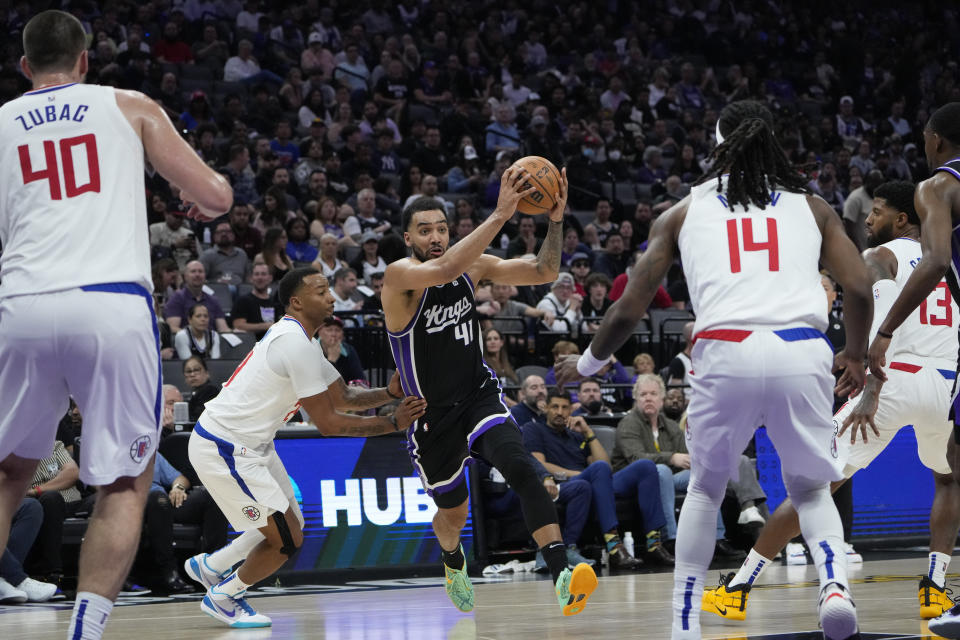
(838, 613)
(199, 571)
(37, 591)
(852, 556)
(750, 515)
(795, 553)
(232, 611)
(9, 594)
(947, 624)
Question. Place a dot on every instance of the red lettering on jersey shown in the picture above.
(771, 246)
(237, 370)
(50, 173)
(942, 292)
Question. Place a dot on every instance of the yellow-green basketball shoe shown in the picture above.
(458, 586)
(573, 588)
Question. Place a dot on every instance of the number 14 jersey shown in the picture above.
(754, 268)
(438, 353)
(72, 200)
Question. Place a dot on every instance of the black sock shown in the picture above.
(555, 555)
(453, 559)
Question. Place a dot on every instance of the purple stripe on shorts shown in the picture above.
(490, 422)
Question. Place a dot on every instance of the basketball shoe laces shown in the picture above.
(240, 601)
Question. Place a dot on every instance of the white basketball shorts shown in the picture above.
(99, 344)
(247, 484)
(781, 380)
(915, 395)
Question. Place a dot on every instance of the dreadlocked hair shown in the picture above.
(752, 157)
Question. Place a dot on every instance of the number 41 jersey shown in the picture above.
(72, 201)
(754, 268)
(438, 353)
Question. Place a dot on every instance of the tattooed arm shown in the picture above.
(331, 422)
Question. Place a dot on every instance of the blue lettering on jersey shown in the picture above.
(439, 317)
(915, 262)
(723, 201)
(774, 196)
(49, 114)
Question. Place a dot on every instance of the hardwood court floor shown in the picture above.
(782, 606)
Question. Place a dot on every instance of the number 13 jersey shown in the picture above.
(754, 268)
(438, 353)
(72, 199)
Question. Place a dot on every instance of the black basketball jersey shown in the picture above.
(438, 353)
(953, 273)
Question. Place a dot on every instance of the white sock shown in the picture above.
(938, 567)
(750, 570)
(90, 613)
(224, 559)
(231, 585)
(694, 551)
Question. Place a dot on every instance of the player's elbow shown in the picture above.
(221, 196)
(936, 263)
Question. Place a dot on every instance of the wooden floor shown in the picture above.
(782, 606)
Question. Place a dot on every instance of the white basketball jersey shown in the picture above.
(256, 401)
(754, 268)
(72, 200)
(931, 330)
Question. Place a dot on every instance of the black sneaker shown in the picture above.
(130, 588)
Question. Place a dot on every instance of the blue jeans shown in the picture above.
(670, 483)
(23, 531)
(637, 480)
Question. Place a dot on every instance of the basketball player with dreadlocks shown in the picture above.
(759, 355)
(917, 392)
(938, 207)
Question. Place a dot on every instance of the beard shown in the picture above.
(879, 237)
(421, 255)
(673, 413)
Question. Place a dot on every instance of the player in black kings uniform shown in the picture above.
(430, 314)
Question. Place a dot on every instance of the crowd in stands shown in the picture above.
(329, 118)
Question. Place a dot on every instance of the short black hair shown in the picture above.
(52, 41)
(290, 284)
(945, 122)
(556, 392)
(423, 203)
(899, 195)
(591, 379)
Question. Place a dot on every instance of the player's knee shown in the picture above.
(455, 517)
(289, 536)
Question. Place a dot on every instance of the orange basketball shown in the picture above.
(545, 177)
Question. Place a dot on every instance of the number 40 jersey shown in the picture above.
(438, 353)
(72, 200)
(752, 268)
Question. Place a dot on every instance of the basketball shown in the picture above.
(545, 177)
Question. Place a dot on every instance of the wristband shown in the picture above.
(884, 334)
(38, 491)
(179, 486)
(590, 439)
(588, 365)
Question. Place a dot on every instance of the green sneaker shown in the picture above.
(458, 586)
(573, 588)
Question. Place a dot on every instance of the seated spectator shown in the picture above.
(429, 187)
(432, 157)
(432, 89)
(573, 250)
(374, 303)
(526, 240)
(502, 134)
(15, 585)
(311, 159)
(560, 350)
(275, 212)
(647, 434)
(466, 176)
(580, 270)
(344, 290)
(198, 112)
(172, 501)
(500, 500)
(274, 253)
(171, 48)
(244, 68)
(590, 399)
(166, 280)
(533, 401)
(661, 299)
(241, 175)
(681, 363)
(193, 292)
(245, 236)
(614, 260)
(568, 448)
(596, 302)
(369, 261)
(675, 406)
(258, 310)
(282, 145)
(341, 354)
(327, 261)
(601, 222)
(54, 486)
(352, 72)
(564, 303)
(325, 221)
(173, 235)
(652, 170)
(225, 262)
(497, 359)
(201, 389)
(197, 338)
(501, 294)
(298, 247)
(643, 363)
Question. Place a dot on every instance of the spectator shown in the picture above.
(429, 189)
(590, 399)
(646, 433)
(193, 292)
(225, 262)
(171, 49)
(614, 260)
(596, 302)
(257, 310)
(858, 206)
(568, 448)
(863, 160)
(538, 141)
(369, 261)
(244, 68)
(241, 175)
(614, 95)
(503, 134)
(173, 235)
(282, 145)
(316, 58)
(386, 162)
(311, 160)
(197, 338)
(533, 401)
(15, 585)
(432, 158)
(652, 170)
(496, 357)
(661, 300)
(344, 290)
(465, 176)
(643, 363)
(352, 71)
(464, 226)
(274, 253)
(675, 406)
(899, 124)
(564, 304)
(211, 51)
(526, 240)
(291, 93)
(299, 248)
(197, 113)
(327, 261)
(560, 350)
(850, 127)
(501, 294)
(341, 354)
(432, 89)
(580, 270)
(201, 389)
(601, 220)
(681, 363)
(172, 500)
(246, 237)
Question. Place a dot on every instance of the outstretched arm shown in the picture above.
(405, 275)
(331, 422)
(347, 398)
